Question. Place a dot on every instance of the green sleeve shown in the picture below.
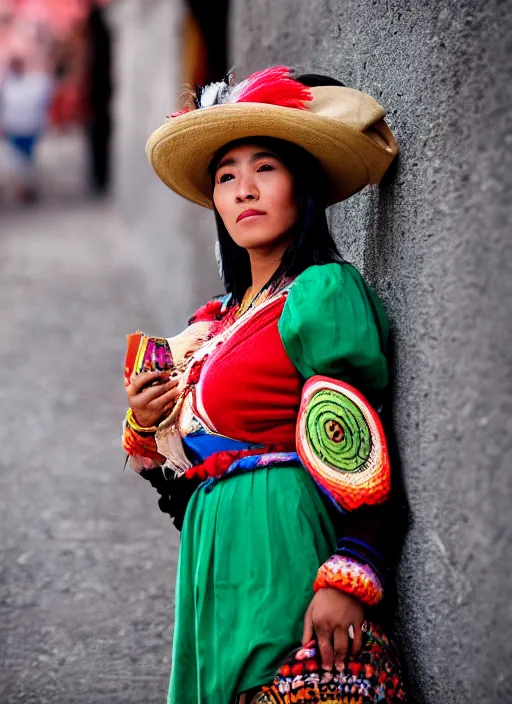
(334, 324)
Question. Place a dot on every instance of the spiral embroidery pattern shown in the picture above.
(341, 442)
(337, 431)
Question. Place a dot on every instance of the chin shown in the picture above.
(256, 238)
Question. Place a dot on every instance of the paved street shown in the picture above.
(87, 559)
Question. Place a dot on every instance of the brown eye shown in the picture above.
(225, 177)
(266, 167)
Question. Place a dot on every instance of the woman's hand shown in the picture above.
(151, 404)
(330, 615)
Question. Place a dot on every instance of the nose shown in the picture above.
(246, 189)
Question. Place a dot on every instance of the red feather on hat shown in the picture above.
(272, 86)
(275, 87)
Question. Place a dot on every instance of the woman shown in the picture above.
(264, 425)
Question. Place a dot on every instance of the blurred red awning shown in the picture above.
(62, 15)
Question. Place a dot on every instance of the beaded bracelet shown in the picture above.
(130, 419)
(351, 577)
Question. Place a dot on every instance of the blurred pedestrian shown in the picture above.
(24, 102)
(98, 98)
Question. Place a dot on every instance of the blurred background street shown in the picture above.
(93, 246)
(87, 558)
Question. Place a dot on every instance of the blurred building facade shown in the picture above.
(153, 60)
(434, 240)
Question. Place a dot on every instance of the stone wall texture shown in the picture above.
(435, 239)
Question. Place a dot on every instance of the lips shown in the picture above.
(249, 213)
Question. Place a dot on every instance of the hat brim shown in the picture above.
(181, 150)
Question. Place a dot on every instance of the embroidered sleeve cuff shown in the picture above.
(350, 576)
(365, 554)
(141, 449)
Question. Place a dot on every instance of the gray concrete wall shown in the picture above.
(435, 240)
(172, 238)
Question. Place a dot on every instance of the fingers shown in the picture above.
(138, 381)
(150, 403)
(357, 642)
(165, 399)
(168, 408)
(325, 648)
(307, 633)
(340, 647)
(147, 395)
(155, 396)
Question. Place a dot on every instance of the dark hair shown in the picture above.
(313, 243)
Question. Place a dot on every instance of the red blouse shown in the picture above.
(248, 387)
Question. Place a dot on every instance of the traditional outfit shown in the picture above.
(275, 464)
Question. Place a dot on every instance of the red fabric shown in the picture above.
(210, 311)
(275, 86)
(132, 348)
(249, 387)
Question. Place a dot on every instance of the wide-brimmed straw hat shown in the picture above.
(342, 127)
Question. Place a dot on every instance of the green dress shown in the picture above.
(251, 547)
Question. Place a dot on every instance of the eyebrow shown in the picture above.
(229, 161)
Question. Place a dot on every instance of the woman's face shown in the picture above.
(254, 195)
